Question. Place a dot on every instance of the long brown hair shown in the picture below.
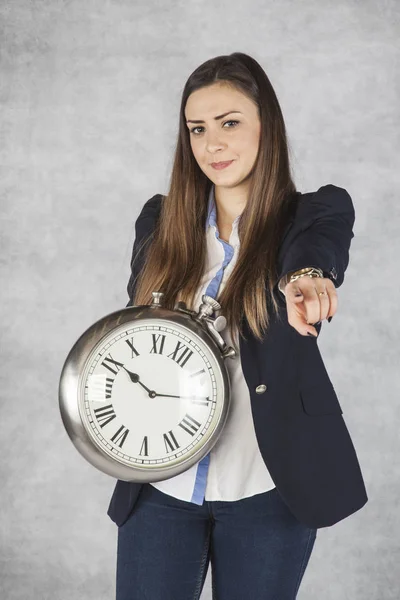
(175, 259)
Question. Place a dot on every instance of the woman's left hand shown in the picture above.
(306, 306)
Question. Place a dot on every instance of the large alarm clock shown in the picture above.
(144, 393)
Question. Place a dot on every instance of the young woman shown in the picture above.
(234, 227)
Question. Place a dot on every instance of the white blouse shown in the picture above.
(234, 468)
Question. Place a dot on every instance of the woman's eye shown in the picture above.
(194, 128)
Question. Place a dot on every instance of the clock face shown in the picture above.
(150, 394)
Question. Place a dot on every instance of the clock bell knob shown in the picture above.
(229, 352)
(219, 323)
(157, 298)
(209, 305)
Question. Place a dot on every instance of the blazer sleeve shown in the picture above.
(144, 229)
(322, 234)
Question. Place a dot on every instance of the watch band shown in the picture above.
(293, 275)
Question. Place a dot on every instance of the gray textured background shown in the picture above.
(90, 93)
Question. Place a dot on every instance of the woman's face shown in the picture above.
(234, 137)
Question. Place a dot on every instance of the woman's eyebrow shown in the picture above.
(215, 118)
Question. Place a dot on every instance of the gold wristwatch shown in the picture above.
(293, 275)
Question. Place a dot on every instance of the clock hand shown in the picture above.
(183, 397)
(168, 396)
(134, 377)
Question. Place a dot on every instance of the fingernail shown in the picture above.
(330, 319)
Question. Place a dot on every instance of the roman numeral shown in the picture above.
(145, 446)
(109, 383)
(189, 424)
(132, 347)
(158, 345)
(109, 359)
(184, 357)
(99, 387)
(200, 402)
(104, 414)
(170, 439)
(119, 436)
(197, 373)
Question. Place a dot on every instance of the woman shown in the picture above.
(284, 464)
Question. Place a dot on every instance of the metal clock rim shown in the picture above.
(74, 365)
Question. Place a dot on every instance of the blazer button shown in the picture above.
(260, 389)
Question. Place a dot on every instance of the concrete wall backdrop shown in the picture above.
(90, 92)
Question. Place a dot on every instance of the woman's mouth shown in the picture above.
(221, 165)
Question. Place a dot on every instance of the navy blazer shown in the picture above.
(298, 420)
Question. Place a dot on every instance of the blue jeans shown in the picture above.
(258, 549)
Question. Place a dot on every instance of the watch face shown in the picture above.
(149, 393)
